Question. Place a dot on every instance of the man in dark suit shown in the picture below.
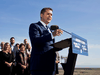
(43, 55)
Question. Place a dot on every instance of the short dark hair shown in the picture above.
(12, 38)
(44, 9)
(21, 45)
(17, 44)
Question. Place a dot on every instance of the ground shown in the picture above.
(83, 71)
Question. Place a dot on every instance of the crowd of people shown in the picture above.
(15, 58)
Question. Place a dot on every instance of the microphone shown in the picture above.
(54, 27)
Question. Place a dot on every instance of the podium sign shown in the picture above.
(79, 45)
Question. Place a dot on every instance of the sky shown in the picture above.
(81, 17)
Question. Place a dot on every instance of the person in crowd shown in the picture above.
(1, 49)
(43, 55)
(2, 46)
(57, 61)
(29, 50)
(26, 44)
(17, 47)
(11, 54)
(17, 51)
(22, 61)
(29, 54)
(12, 45)
(13, 48)
(6, 60)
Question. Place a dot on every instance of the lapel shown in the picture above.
(44, 30)
(41, 27)
(40, 24)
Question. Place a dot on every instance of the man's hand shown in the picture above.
(57, 62)
(57, 32)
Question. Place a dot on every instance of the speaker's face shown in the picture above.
(47, 16)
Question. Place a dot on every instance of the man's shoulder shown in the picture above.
(37, 23)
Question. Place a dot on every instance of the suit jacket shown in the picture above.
(43, 55)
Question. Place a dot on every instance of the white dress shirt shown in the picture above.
(13, 49)
(46, 28)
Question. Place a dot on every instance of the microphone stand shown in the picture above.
(66, 31)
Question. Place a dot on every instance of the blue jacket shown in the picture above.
(43, 55)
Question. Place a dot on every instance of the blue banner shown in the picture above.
(79, 45)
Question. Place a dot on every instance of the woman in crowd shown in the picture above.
(11, 54)
(22, 61)
(6, 60)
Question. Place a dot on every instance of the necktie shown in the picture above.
(48, 29)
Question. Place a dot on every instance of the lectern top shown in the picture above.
(63, 43)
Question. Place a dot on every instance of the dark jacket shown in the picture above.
(43, 55)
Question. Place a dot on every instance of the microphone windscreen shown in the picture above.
(54, 27)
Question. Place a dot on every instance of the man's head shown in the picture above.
(2, 45)
(25, 41)
(46, 15)
(12, 40)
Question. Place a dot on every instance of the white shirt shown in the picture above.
(46, 28)
(29, 52)
(13, 49)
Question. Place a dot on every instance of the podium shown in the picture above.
(77, 45)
